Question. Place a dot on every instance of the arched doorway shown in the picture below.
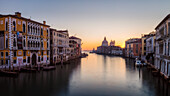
(34, 59)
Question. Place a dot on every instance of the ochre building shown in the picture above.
(23, 41)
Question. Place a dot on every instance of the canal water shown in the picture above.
(96, 75)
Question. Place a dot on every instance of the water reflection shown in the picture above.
(96, 75)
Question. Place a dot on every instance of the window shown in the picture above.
(31, 29)
(6, 26)
(41, 31)
(136, 48)
(28, 44)
(6, 61)
(14, 43)
(28, 60)
(31, 44)
(23, 28)
(15, 53)
(6, 42)
(38, 31)
(145, 41)
(47, 44)
(2, 61)
(15, 61)
(39, 59)
(2, 54)
(144, 53)
(144, 48)
(24, 60)
(24, 43)
(14, 26)
(42, 44)
(24, 53)
(41, 52)
(6, 54)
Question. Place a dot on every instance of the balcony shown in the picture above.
(32, 48)
(160, 35)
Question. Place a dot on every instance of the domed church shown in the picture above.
(109, 49)
(105, 42)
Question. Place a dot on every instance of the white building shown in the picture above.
(75, 47)
(59, 45)
(162, 59)
(150, 44)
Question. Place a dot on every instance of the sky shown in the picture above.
(92, 20)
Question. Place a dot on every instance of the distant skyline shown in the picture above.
(92, 20)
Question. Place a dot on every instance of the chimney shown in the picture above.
(18, 14)
(44, 22)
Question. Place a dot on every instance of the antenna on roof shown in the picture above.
(30, 17)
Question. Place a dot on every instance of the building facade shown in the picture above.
(133, 48)
(162, 57)
(75, 47)
(59, 45)
(23, 41)
(144, 38)
(150, 48)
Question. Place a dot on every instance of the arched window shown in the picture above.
(28, 44)
(14, 43)
(31, 43)
(28, 28)
(24, 43)
(38, 31)
(23, 28)
(42, 44)
(31, 29)
(34, 43)
(6, 26)
(6, 42)
(14, 26)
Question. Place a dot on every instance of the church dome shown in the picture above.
(112, 43)
(104, 43)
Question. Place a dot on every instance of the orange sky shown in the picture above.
(92, 20)
(91, 45)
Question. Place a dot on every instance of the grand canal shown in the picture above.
(96, 75)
